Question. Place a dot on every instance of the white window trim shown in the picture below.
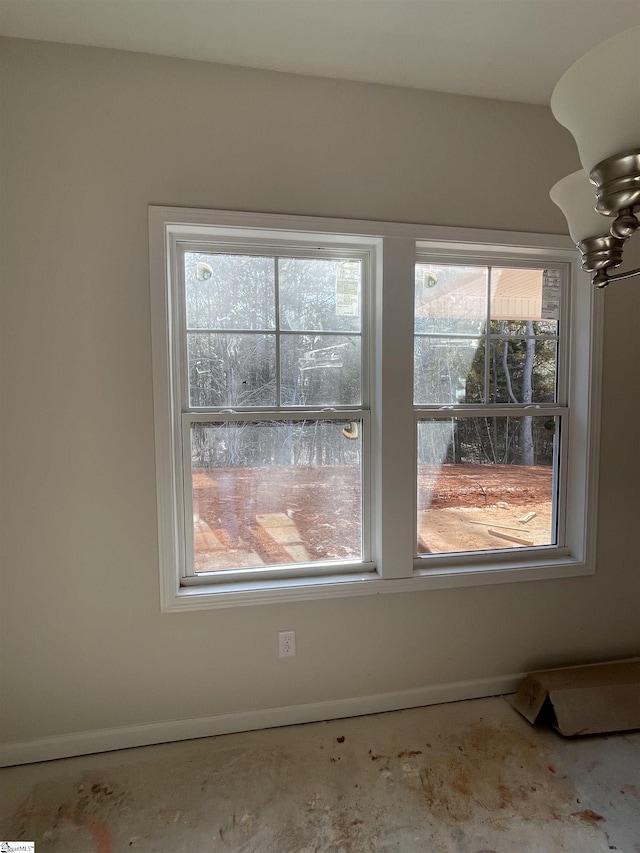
(395, 247)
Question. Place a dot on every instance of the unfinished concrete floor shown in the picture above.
(468, 777)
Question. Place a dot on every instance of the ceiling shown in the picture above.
(508, 49)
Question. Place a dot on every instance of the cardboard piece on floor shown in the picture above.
(583, 700)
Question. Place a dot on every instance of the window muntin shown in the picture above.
(265, 335)
(500, 457)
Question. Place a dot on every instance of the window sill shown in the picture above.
(280, 591)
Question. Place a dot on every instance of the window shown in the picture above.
(274, 407)
(489, 391)
(347, 408)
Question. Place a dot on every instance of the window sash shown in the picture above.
(490, 262)
(313, 568)
(275, 251)
(426, 562)
(324, 249)
(559, 408)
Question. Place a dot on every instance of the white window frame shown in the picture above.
(394, 566)
(559, 408)
(220, 241)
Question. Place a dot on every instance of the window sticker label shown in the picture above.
(550, 295)
(348, 288)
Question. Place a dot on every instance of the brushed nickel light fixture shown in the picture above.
(598, 100)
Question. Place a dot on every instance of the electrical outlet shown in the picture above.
(286, 644)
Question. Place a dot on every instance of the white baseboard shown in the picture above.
(125, 737)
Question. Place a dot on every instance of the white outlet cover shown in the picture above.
(286, 644)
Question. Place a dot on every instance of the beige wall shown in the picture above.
(90, 138)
